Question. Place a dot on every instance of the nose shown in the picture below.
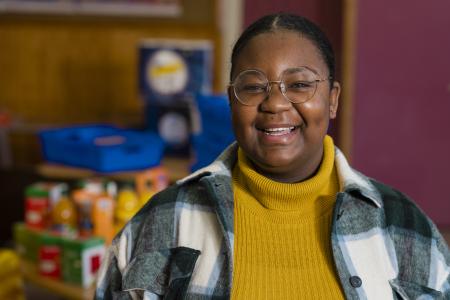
(275, 101)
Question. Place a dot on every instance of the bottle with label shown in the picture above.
(64, 216)
(126, 207)
(103, 217)
(149, 182)
(84, 202)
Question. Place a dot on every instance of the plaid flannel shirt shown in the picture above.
(180, 244)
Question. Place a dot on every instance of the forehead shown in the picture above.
(273, 52)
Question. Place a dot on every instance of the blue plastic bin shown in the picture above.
(102, 148)
(216, 129)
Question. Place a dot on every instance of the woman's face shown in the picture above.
(284, 155)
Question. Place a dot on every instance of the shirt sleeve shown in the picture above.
(109, 280)
(440, 265)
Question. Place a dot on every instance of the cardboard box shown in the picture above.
(27, 241)
(81, 260)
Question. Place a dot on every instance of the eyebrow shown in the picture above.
(302, 67)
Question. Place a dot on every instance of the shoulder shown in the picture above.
(155, 225)
(147, 240)
(402, 212)
(142, 253)
(421, 252)
(395, 208)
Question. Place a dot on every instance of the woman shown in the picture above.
(280, 214)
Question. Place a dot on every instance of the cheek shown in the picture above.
(315, 111)
(242, 121)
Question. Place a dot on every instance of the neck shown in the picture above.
(303, 171)
(285, 196)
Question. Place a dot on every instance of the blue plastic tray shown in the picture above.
(102, 148)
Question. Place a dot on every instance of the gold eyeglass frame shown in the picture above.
(280, 82)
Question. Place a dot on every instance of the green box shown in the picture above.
(81, 260)
(27, 241)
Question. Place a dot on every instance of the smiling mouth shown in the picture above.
(278, 131)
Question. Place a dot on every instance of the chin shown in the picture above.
(276, 165)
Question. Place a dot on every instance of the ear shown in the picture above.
(334, 99)
(230, 94)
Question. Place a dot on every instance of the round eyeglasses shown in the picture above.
(298, 85)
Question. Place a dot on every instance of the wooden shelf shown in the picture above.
(177, 168)
(62, 289)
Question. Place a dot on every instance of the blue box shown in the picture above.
(173, 70)
(102, 148)
(215, 132)
(173, 123)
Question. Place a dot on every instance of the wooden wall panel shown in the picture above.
(59, 70)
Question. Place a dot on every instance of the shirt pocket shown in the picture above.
(406, 290)
(165, 273)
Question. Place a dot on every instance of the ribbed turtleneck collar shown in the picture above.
(278, 196)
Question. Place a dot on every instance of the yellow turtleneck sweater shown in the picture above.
(282, 246)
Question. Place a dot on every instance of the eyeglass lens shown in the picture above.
(251, 87)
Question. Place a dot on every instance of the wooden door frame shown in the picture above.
(349, 34)
(230, 20)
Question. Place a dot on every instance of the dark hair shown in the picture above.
(285, 21)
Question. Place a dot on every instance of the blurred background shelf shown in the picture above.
(64, 290)
(177, 168)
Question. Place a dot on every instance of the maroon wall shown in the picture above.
(402, 103)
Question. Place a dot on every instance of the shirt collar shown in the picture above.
(223, 165)
(350, 180)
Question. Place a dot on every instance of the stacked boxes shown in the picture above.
(74, 260)
(171, 74)
(66, 232)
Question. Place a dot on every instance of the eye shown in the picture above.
(253, 88)
(300, 86)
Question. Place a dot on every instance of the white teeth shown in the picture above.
(278, 131)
